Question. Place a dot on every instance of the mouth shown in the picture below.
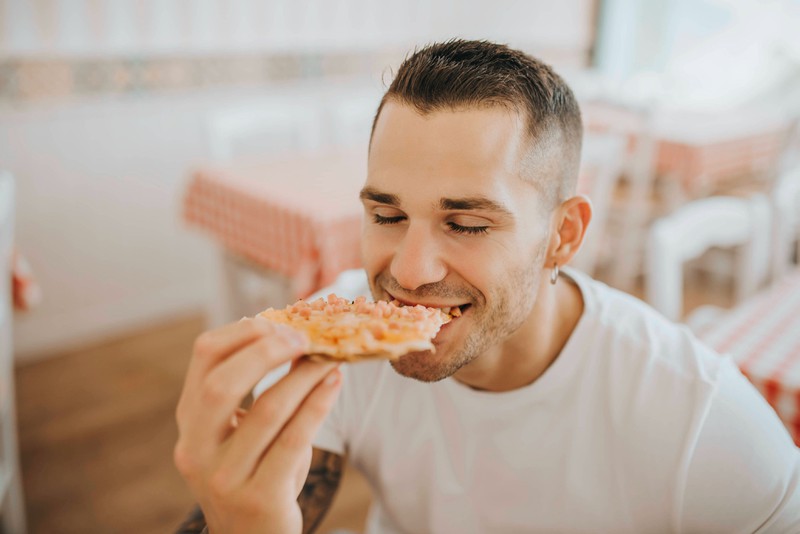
(453, 310)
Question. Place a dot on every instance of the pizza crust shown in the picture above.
(348, 331)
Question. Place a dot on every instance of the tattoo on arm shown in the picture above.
(320, 487)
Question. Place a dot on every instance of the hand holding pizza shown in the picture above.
(247, 476)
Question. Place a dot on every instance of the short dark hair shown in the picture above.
(459, 74)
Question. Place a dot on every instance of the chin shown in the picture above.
(427, 366)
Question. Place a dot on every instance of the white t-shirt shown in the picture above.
(635, 427)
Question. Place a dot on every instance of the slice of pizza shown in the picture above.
(346, 330)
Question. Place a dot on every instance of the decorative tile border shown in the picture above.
(26, 80)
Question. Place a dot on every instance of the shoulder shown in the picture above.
(743, 473)
(624, 327)
(652, 377)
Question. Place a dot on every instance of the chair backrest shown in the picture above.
(697, 227)
(786, 221)
(349, 112)
(265, 126)
(602, 160)
(637, 124)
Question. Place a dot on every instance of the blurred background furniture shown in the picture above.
(786, 222)
(264, 126)
(298, 145)
(602, 159)
(293, 222)
(694, 229)
(675, 156)
(762, 334)
(12, 507)
(631, 204)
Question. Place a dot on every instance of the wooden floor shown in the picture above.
(97, 431)
(96, 435)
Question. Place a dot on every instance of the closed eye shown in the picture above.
(470, 230)
(379, 219)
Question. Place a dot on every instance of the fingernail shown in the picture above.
(333, 377)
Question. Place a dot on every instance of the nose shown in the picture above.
(418, 259)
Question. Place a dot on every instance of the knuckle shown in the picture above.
(267, 350)
(267, 410)
(265, 345)
(317, 408)
(294, 439)
(184, 461)
(214, 391)
(204, 345)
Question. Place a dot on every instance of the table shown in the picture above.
(699, 151)
(675, 156)
(297, 215)
(762, 334)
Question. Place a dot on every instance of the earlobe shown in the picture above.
(574, 217)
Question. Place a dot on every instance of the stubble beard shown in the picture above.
(511, 305)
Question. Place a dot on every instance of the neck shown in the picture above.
(525, 355)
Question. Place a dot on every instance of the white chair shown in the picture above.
(632, 212)
(697, 227)
(786, 222)
(262, 127)
(349, 112)
(265, 126)
(602, 160)
(12, 506)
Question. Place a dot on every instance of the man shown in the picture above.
(554, 403)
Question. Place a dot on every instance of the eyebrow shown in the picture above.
(465, 204)
(370, 193)
(473, 203)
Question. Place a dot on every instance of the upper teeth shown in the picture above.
(455, 311)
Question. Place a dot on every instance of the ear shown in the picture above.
(571, 219)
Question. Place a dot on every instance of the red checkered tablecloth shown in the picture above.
(700, 150)
(763, 337)
(704, 151)
(298, 214)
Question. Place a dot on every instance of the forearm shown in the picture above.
(320, 487)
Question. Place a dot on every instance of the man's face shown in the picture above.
(449, 222)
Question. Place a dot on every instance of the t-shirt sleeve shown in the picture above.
(744, 472)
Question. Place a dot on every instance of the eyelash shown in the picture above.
(457, 228)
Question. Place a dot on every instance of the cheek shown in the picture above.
(377, 247)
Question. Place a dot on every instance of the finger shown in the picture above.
(213, 346)
(226, 385)
(289, 451)
(268, 415)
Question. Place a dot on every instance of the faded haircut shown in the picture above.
(459, 74)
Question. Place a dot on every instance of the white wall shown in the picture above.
(99, 188)
(91, 28)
